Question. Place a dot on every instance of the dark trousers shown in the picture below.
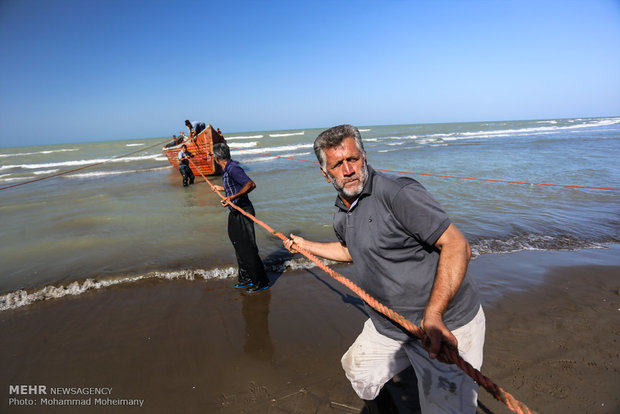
(188, 175)
(241, 234)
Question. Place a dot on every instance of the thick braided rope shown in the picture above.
(451, 354)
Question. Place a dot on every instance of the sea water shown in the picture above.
(129, 218)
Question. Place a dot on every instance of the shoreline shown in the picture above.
(204, 347)
(275, 262)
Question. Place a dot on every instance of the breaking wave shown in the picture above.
(22, 297)
(46, 172)
(80, 162)
(116, 172)
(243, 145)
(547, 127)
(541, 242)
(287, 135)
(272, 157)
(20, 154)
(244, 137)
(272, 149)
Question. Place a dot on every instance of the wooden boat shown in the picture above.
(202, 149)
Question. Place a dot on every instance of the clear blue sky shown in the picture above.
(85, 70)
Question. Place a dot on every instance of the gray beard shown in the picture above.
(349, 194)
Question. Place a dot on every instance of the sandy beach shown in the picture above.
(202, 346)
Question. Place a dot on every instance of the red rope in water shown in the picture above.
(453, 176)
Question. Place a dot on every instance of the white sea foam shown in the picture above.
(364, 130)
(19, 154)
(406, 139)
(272, 157)
(536, 130)
(21, 298)
(45, 172)
(401, 149)
(244, 145)
(287, 135)
(244, 137)
(423, 141)
(398, 137)
(8, 180)
(97, 174)
(530, 242)
(393, 138)
(497, 135)
(116, 172)
(282, 148)
(77, 163)
(133, 145)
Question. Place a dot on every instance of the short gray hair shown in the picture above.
(333, 137)
(221, 151)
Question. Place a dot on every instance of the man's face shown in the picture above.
(345, 168)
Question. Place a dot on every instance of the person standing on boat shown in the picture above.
(173, 143)
(195, 128)
(237, 185)
(410, 257)
(184, 169)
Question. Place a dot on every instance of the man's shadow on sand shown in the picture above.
(255, 310)
(275, 267)
(255, 307)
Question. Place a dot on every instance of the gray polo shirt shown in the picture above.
(390, 232)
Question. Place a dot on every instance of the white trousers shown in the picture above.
(374, 359)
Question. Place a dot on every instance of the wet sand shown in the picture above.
(557, 349)
(204, 347)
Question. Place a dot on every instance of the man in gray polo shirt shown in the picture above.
(410, 257)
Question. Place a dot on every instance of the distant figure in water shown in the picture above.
(195, 128)
(175, 141)
(186, 172)
(237, 185)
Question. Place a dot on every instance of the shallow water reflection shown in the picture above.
(255, 312)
